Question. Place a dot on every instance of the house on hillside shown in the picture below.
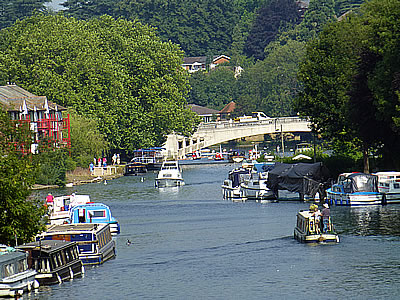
(226, 112)
(44, 118)
(199, 63)
(206, 114)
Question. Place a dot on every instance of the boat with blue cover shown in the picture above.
(95, 244)
(94, 213)
(355, 189)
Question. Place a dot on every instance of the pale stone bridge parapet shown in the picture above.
(208, 134)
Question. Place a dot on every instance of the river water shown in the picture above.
(189, 243)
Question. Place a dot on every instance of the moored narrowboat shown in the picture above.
(95, 244)
(308, 230)
(54, 260)
(15, 276)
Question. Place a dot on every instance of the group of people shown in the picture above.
(318, 215)
(102, 162)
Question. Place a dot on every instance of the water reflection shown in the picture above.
(365, 221)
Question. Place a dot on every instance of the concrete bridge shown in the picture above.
(208, 134)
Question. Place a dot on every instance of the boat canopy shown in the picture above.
(303, 178)
(360, 182)
(236, 176)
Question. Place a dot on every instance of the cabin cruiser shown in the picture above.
(60, 210)
(355, 189)
(94, 213)
(231, 188)
(95, 244)
(255, 187)
(389, 186)
(169, 175)
(55, 261)
(15, 276)
(308, 229)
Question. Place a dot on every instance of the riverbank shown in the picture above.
(81, 176)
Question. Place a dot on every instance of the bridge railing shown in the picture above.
(231, 123)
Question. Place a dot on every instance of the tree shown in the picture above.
(114, 71)
(349, 76)
(269, 21)
(12, 10)
(271, 85)
(20, 216)
(213, 89)
(86, 140)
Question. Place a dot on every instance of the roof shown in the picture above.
(202, 111)
(68, 228)
(13, 98)
(216, 57)
(230, 107)
(47, 245)
(192, 60)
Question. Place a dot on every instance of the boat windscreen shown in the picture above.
(364, 183)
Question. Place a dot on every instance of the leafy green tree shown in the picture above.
(349, 76)
(271, 85)
(20, 216)
(271, 18)
(12, 10)
(344, 6)
(114, 71)
(86, 140)
(213, 89)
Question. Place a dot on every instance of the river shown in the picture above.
(189, 243)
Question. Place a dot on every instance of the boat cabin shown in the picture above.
(15, 276)
(55, 261)
(95, 244)
(94, 213)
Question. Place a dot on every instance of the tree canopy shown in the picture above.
(350, 78)
(114, 71)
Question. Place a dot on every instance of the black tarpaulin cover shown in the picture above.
(303, 178)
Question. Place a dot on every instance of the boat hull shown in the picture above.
(315, 238)
(232, 193)
(17, 284)
(170, 182)
(257, 194)
(66, 273)
(354, 199)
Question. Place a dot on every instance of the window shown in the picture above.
(98, 213)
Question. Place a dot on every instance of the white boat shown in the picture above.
(60, 211)
(231, 188)
(389, 185)
(169, 175)
(15, 276)
(255, 187)
(307, 230)
(355, 189)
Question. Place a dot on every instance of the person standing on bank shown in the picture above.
(326, 213)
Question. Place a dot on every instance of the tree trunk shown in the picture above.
(366, 160)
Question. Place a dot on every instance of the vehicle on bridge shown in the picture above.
(255, 116)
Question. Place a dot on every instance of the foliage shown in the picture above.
(19, 217)
(86, 140)
(271, 18)
(114, 71)
(52, 166)
(12, 10)
(271, 85)
(344, 6)
(349, 76)
(213, 89)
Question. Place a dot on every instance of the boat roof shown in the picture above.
(72, 228)
(47, 245)
(91, 206)
(11, 256)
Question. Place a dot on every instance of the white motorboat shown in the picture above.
(170, 175)
(60, 210)
(355, 189)
(389, 186)
(255, 187)
(231, 188)
(15, 276)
